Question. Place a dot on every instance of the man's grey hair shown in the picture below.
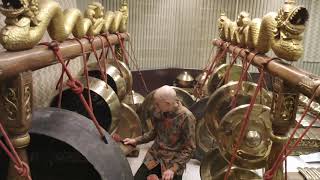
(165, 93)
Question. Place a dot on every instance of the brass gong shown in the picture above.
(105, 102)
(219, 102)
(147, 107)
(256, 144)
(217, 80)
(184, 80)
(125, 71)
(133, 99)
(129, 126)
(214, 167)
(114, 78)
(200, 81)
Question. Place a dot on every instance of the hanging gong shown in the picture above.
(214, 167)
(200, 81)
(129, 126)
(133, 99)
(105, 102)
(65, 145)
(147, 107)
(256, 145)
(125, 71)
(219, 102)
(114, 78)
(204, 139)
(217, 80)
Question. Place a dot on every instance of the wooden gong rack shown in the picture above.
(16, 85)
(288, 83)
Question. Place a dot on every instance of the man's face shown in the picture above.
(162, 106)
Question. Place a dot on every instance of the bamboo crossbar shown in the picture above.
(13, 63)
(306, 83)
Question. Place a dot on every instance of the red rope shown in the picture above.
(134, 61)
(285, 149)
(113, 54)
(215, 61)
(243, 75)
(98, 58)
(21, 166)
(234, 59)
(75, 86)
(244, 125)
(60, 85)
(85, 71)
(124, 52)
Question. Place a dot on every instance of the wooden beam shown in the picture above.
(304, 82)
(12, 63)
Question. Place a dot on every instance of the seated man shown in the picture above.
(173, 135)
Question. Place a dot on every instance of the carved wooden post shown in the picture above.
(283, 114)
(15, 111)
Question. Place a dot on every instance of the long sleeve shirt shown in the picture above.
(174, 140)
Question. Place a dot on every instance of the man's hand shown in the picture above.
(131, 141)
(168, 175)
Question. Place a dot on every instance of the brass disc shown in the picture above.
(185, 80)
(219, 102)
(214, 167)
(105, 102)
(114, 78)
(200, 81)
(126, 72)
(147, 107)
(133, 99)
(216, 79)
(129, 126)
(256, 145)
(204, 140)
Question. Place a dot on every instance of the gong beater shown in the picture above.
(256, 144)
(114, 78)
(65, 145)
(129, 126)
(105, 102)
(214, 167)
(146, 109)
(217, 80)
(219, 102)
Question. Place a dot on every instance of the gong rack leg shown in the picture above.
(15, 112)
(283, 114)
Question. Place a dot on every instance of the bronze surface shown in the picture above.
(105, 103)
(184, 80)
(256, 145)
(133, 99)
(217, 79)
(219, 102)
(114, 78)
(125, 72)
(128, 127)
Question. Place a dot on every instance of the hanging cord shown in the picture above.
(59, 84)
(215, 61)
(98, 58)
(124, 52)
(244, 124)
(135, 63)
(21, 166)
(113, 54)
(85, 71)
(195, 90)
(286, 150)
(227, 73)
(242, 78)
(75, 86)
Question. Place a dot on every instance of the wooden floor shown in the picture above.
(191, 173)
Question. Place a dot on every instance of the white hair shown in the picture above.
(165, 93)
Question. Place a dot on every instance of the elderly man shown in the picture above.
(173, 135)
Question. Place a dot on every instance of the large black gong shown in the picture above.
(65, 145)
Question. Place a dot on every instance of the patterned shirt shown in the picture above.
(174, 140)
